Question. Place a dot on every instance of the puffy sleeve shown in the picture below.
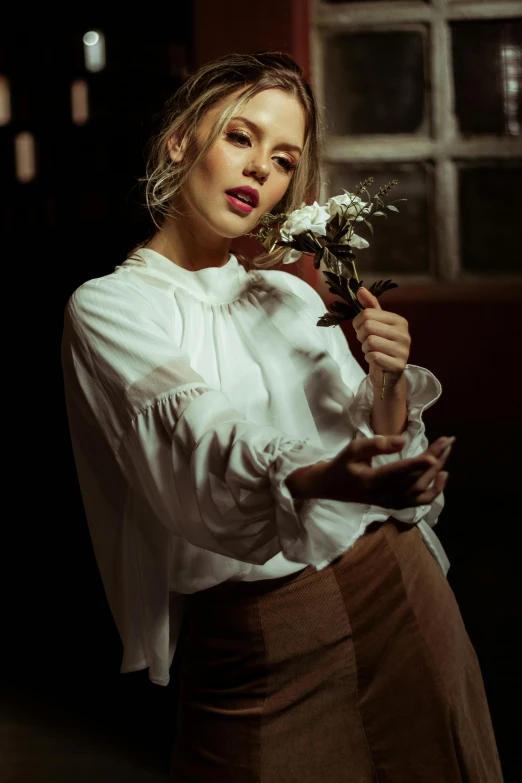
(355, 396)
(423, 391)
(210, 476)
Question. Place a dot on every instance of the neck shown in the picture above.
(178, 241)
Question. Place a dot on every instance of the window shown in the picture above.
(428, 93)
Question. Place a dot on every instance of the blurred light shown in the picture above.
(25, 157)
(5, 101)
(91, 38)
(94, 51)
(511, 62)
(80, 102)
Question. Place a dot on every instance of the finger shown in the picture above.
(367, 299)
(441, 449)
(363, 449)
(383, 316)
(391, 347)
(433, 473)
(439, 445)
(427, 497)
(405, 472)
(389, 364)
(391, 332)
(424, 481)
(422, 462)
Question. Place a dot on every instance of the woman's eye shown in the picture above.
(285, 163)
(243, 139)
(239, 137)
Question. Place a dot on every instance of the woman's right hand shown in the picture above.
(350, 477)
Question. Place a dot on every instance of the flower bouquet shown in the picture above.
(328, 232)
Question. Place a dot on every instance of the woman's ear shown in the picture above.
(176, 149)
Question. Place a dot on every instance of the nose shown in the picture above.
(258, 168)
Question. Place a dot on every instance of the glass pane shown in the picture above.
(490, 209)
(400, 243)
(487, 59)
(375, 82)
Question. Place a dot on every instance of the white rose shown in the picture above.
(348, 205)
(291, 256)
(313, 218)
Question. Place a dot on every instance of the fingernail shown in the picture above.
(445, 454)
(447, 441)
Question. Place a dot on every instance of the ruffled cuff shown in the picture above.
(309, 530)
(423, 390)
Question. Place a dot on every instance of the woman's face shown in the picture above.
(258, 151)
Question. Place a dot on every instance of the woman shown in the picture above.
(250, 499)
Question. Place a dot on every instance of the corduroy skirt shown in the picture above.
(362, 672)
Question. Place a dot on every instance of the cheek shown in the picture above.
(218, 165)
(280, 188)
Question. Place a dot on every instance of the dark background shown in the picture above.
(62, 694)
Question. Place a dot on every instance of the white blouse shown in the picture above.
(191, 396)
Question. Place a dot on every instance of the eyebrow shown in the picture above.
(256, 129)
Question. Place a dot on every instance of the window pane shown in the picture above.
(401, 242)
(487, 59)
(490, 210)
(375, 82)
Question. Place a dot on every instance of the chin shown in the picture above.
(235, 228)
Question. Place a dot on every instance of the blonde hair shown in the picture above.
(250, 74)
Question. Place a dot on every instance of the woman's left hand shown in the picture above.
(385, 340)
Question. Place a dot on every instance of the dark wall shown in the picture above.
(76, 220)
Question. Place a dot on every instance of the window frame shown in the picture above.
(443, 145)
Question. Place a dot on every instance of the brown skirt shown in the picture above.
(360, 673)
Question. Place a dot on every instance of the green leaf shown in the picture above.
(338, 307)
(391, 207)
(380, 214)
(335, 222)
(331, 278)
(352, 289)
(302, 242)
(329, 260)
(381, 286)
(328, 319)
(341, 250)
(318, 257)
(369, 225)
(341, 312)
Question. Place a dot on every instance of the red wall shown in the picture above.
(273, 25)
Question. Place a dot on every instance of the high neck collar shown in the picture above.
(215, 284)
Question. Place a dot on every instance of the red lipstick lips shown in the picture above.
(244, 198)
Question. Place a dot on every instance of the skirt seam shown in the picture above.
(430, 659)
(376, 776)
(265, 700)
